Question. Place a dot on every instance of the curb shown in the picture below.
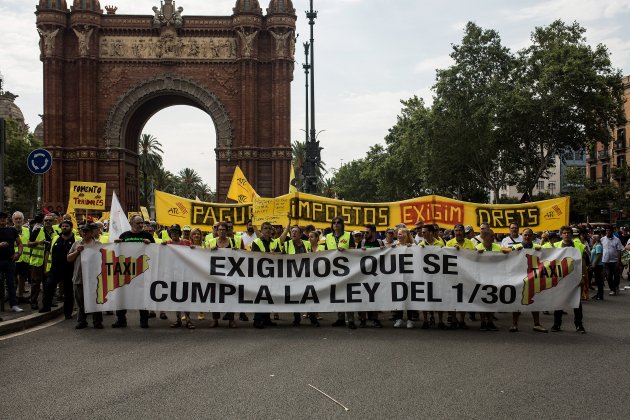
(28, 321)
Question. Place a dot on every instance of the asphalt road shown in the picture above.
(59, 372)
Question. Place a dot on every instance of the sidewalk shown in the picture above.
(18, 321)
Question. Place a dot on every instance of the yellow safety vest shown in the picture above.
(213, 243)
(273, 246)
(289, 247)
(26, 250)
(495, 247)
(344, 241)
(37, 252)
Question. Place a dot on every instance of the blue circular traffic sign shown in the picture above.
(39, 161)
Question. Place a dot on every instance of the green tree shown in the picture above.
(468, 141)
(18, 179)
(566, 96)
(150, 161)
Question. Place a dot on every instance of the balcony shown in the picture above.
(603, 155)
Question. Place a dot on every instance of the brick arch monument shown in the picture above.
(107, 74)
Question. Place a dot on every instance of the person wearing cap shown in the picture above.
(186, 232)
(137, 235)
(390, 238)
(9, 240)
(59, 270)
(357, 235)
(418, 238)
(88, 231)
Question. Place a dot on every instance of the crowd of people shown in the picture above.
(44, 253)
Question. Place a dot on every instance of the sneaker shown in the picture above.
(555, 328)
(580, 329)
(540, 328)
(16, 308)
(484, 326)
(339, 323)
(352, 325)
(190, 325)
(492, 327)
(377, 324)
(409, 324)
(613, 293)
(398, 323)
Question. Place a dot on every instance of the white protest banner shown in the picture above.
(177, 278)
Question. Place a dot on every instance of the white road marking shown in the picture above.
(30, 330)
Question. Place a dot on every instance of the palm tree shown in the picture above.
(205, 193)
(150, 160)
(164, 180)
(189, 182)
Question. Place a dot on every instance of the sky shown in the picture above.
(370, 54)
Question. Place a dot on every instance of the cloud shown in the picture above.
(569, 10)
(433, 63)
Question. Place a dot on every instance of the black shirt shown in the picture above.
(371, 244)
(8, 234)
(130, 236)
(58, 255)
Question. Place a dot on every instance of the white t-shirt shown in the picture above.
(509, 242)
(248, 239)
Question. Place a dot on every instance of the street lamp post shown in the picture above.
(313, 150)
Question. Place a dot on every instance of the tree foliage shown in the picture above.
(498, 119)
(18, 179)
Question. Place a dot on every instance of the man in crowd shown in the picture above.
(370, 241)
(341, 240)
(265, 244)
(87, 232)
(136, 234)
(59, 270)
(567, 241)
(39, 243)
(250, 235)
(513, 238)
(527, 243)
(22, 266)
(611, 258)
(9, 240)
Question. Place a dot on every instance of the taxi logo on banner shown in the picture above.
(118, 271)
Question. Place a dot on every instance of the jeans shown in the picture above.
(49, 293)
(613, 275)
(8, 268)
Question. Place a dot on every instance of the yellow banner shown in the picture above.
(171, 209)
(87, 195)
(319, 211)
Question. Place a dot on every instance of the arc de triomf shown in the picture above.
(106, 74)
